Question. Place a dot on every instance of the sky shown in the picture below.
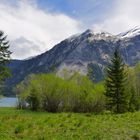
(35, 26)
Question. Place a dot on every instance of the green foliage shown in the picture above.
(27, 125)
(117, 99)
(4, 57)
(19, 129)
(133, 87)
(133, 100)
(53, 94)
(1, 96)
(137, 80)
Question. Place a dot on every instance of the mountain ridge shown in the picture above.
(78, 53)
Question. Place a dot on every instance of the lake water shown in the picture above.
(8, 102)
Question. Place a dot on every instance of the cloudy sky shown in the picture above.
(35, 26)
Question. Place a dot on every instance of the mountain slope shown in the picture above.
(79, 53)
(131, 33)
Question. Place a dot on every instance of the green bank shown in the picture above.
(28, 125)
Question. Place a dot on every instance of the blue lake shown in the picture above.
(8, 102)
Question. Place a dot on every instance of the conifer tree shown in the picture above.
(117, 100)
(4, 57)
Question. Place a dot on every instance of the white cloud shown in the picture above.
(32, 30)
(123, 16)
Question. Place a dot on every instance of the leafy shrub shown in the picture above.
(133, 88)
(53, 94)
(19, 129)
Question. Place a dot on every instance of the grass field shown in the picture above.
(27, 125)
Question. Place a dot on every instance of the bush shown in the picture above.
(53, 94)
(133, 88)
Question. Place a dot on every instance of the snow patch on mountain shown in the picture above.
(101, 33)
(131, 33)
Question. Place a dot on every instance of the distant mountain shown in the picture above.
(79, 53)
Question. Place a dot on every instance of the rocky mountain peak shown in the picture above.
(90, 49)
(95, 32)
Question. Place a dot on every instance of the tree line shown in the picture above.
(119, 92)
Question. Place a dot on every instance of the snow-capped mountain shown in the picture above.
(97, 33)
(131, 33)
(79, 53)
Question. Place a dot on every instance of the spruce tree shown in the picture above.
(4, 57)
(115, 84)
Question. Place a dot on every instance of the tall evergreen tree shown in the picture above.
(117, 100)
(4, 57)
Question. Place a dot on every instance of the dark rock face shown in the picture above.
(78, 53)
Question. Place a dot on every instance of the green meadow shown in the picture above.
(27, 125)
